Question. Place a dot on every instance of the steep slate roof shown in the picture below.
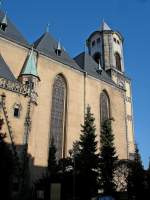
(86, 62)
(11, 32)
(47, 45)
(5, 71)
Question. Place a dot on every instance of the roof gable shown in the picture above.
(47, 45)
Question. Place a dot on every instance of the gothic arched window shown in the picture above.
(58, 115)
(118, 61)
(104, 107)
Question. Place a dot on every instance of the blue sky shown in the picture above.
(72, 21)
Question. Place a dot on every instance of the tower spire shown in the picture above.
(30, 65)
(47, 28)
(105, 27)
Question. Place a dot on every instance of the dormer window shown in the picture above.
(58, 49)
(3, 27)
(58, 52)
(3, 23)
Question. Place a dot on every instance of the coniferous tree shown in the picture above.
(148, 181)
(86, 159)
(108, 159)
(136, 178)
(6, 169)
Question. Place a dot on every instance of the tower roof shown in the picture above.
(30, 65)
(105, 27)
(11, 32)
(47, 45)
(5, 72)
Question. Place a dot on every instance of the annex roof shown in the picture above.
(5, 72)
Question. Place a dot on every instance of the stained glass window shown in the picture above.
(104, 107)
(58, 114)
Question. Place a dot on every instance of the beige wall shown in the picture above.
(47, 70)
(14, 55)
(17, 124)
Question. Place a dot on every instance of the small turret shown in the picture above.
(29, 74)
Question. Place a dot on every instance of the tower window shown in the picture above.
(97, 58)
(93, 43)
(98, 40)
(118, 42)
(118, 61)
(115, 40)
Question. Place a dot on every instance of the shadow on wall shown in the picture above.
(26, 176)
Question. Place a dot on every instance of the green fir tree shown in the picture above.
(108, 159)
(136, 178)
(86, 159)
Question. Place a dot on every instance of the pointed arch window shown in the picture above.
(118, 61)
(104, 106)
(58, 115)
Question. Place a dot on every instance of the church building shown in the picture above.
(44, 92)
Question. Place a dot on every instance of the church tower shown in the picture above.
(105, 46)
